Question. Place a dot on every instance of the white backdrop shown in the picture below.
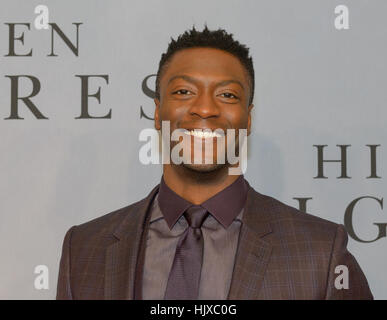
(315, 85)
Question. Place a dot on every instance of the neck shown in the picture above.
(196, 187)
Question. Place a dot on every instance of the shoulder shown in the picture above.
(104, 227)
(289, 222)
(108, 222)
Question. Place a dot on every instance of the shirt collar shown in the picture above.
(224, 206)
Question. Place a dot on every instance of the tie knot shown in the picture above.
(195, 216)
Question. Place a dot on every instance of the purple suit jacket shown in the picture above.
(282, 254)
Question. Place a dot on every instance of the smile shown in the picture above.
(203, 134)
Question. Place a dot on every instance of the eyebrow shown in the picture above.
(196, 81)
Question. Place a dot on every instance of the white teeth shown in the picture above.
(204, 134)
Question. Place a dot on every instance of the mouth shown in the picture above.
(204, 133)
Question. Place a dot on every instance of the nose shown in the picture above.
(204, 106)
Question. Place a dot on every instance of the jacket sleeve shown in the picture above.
(346, 280)
(64, 285)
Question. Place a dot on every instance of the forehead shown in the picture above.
(205, 63)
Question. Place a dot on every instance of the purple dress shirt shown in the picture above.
(220, 233)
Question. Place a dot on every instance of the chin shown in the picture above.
(203, 168)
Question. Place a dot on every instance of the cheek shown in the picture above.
(172, 114)
(167, 113)
(237, 118)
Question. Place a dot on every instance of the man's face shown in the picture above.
(204, 88)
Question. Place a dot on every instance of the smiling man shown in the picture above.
(204, 233)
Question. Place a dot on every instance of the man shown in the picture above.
(203, 233)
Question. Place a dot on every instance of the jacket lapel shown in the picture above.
(121, 256)
(253, 252)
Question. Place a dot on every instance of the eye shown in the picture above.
(229, 95)
(181, 92)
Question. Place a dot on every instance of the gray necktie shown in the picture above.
(184, 277)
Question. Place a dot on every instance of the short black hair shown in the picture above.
(218, 39)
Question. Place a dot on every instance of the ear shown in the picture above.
(251, 106)
(157, 116)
